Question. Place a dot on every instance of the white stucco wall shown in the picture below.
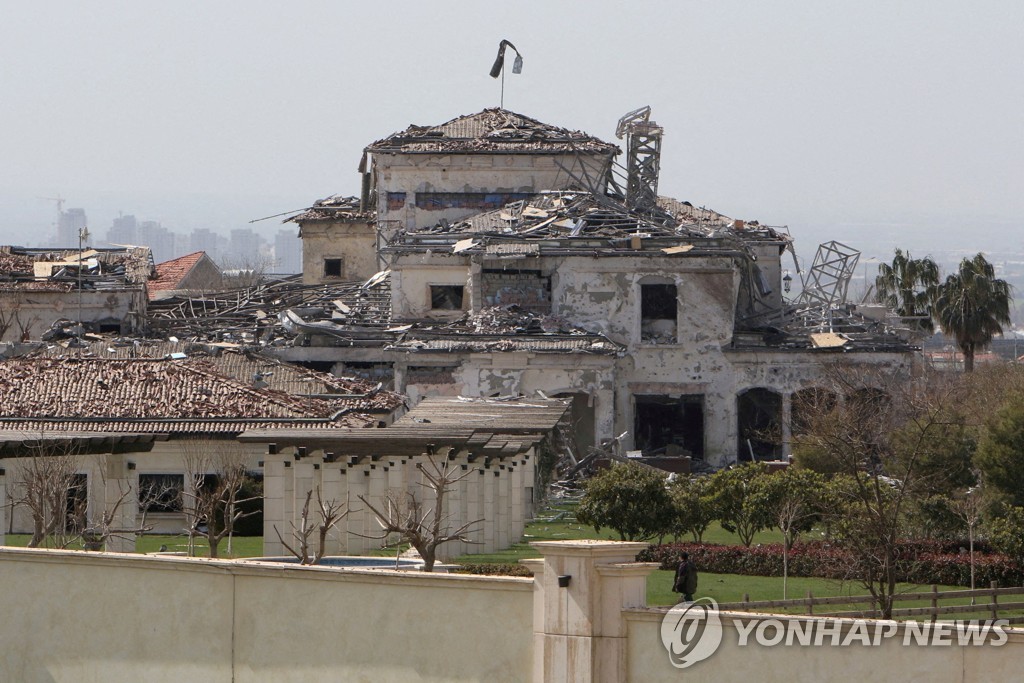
(84, 617)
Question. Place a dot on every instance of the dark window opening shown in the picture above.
(670, 425)
(438, 201)
(333, 267)
(658, 309)
(396, 200)
(110, 328)
(374, 372)
(759, 415)
(161, 492)
(430, 374)
(76, 504)
(528, 289)
(446, 297)
(582, 421)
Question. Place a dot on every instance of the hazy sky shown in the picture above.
(858, 114)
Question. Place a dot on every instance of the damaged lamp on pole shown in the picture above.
(787, 282)
(83, 236)
(499, 66)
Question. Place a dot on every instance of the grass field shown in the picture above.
(241, 546)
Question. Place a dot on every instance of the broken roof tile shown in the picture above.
(492, 130)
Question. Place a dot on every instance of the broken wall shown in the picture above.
(419, 190)
(354, 242)
(25, 314)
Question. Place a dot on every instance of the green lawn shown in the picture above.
(241, 546)
(558, 524)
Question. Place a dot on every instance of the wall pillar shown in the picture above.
(787, 425)
(579, 632)
(274, 473)
(3, 503)
(120, 501)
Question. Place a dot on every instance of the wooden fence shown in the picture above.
(991, 609)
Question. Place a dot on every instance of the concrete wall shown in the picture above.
(29, 313)
(353, 242)
(81, 617)
(518, 173)
(78, 617)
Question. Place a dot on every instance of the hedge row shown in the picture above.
(918, 563)
(492, 569)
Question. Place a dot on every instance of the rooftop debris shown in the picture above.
(333, 208)
(492, 130)
(251, 315)
(568, 217)
(63, 269)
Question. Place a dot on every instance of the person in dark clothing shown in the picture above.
(686, 578)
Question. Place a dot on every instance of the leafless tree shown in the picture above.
(330, 513)
(117, 502)
(213, 484)
(425, 526)
(47, 472)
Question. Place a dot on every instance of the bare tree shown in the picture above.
(425, 526)
(48, 472)
(213, 484)
(118, 502)
(330, 513)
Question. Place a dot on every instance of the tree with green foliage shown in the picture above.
(907, 286)
(737, 501)
(1000, 455)
(972, 306)
(693, 506)
(1007, 532)
(881, 437)
(630, 498)
(793, 501)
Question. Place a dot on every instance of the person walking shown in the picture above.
(686, 578)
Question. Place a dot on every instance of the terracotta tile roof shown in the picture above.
(169, 274)
(492, 130)
(116, 393)
(244, 365)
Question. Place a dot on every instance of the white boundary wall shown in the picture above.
(82, 617)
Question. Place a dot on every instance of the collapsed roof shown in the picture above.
(569, 218)
(333, 208)
(62, 269)
(491, 131)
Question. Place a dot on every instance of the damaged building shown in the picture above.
(104, 289)
(520, 258)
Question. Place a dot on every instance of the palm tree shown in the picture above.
(907, 286)
(972, 306)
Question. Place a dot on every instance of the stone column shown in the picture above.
(273, 503)
(579, 632)
(504, 517)
(120, 501)
(358, 485)
(492, 515)
(330, 491)
(3, 503)
(787, 425)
